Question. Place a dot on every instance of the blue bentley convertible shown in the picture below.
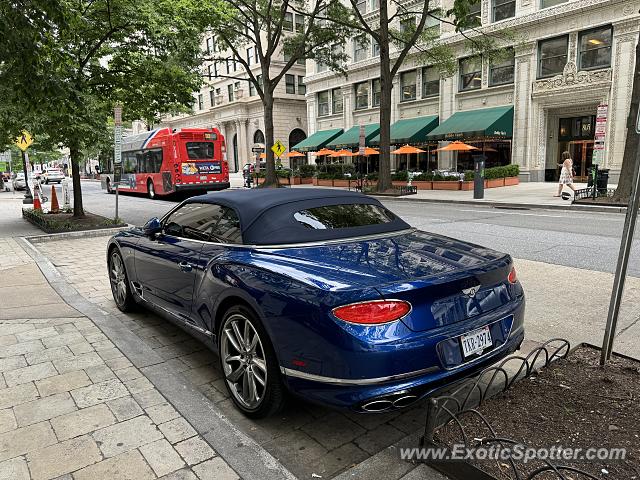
(324, 294)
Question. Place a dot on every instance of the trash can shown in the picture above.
(602, 181)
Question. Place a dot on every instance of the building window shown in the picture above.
(408, 86)
(287, 23)
(375, 87)
(321, 67)
(290, 83)
(362, 95)
(595, 48)
(299, 23)
(227, 64)
(430, 82)
(407, 25)
(212, 97)
(375, 48)
(230, 92)
(336, 101)
(359, 50)
(301, 61)
(200, 102)
(432, 24)
(302, 88)
(474, 17)
(375, 4)
(470, 73)
(252, 89)
(501, 72)
(323, 103)
(552, 56)
(249, 55)
(503, 9)
(210, 72)
(551, 3)
(361, 5)
(210, 45)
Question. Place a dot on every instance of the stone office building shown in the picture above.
(571, 57)
(234, 107)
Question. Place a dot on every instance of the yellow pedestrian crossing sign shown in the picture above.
(24, 141)
(278, 148)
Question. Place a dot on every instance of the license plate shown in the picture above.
(476, 341)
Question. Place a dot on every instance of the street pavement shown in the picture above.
(587, 240)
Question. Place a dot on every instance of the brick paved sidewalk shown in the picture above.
(73, 406)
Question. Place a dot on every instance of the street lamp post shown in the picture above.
(28, 197)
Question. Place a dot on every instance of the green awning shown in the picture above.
(317, 140)
(351, 138)
(482, 123)
(410, 130)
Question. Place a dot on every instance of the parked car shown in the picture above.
(52, 175)
(18, 181)
(325, 294)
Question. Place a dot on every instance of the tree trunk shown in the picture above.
(623, 192)
(270, 179)
(386, 84)
(74, 155)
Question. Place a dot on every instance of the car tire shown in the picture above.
(151, 190)
(119, 281)
(258, 364)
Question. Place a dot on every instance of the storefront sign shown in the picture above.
(600, 133)
(361, 141)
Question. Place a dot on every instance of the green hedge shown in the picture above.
(335, 171)
(306, 171)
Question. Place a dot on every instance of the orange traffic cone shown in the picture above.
(55, 208)
(36, 199)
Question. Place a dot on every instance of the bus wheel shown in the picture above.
(109, 189)
(151, 191)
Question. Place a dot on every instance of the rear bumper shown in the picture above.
(185, 187)
(409, 386)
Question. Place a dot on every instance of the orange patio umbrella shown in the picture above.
(342, 153)
(263, 155)
(324, 151)
(457, 146)
(407, 149)
(371, 151)
(293, 153)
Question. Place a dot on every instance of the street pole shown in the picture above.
(623, 261)
(117, 185)
(28, 197)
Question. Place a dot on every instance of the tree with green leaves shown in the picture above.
(263, 26)
(402, 30)
(84, 56)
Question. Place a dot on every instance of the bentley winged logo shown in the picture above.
(471, 291)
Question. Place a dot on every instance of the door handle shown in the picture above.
(185, 267)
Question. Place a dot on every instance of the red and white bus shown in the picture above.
(165, 161)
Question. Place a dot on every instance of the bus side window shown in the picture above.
(155, 160)
(140, 162)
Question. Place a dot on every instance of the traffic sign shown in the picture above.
(278, 148)
(257, 149)
(24, 141)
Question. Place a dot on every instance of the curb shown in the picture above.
(242, 453)
(99, 232)
(506, 205)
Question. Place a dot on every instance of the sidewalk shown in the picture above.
(524, 195)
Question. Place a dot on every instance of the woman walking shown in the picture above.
(566, 174)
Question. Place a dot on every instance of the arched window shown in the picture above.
(258, 137)
(295, 137)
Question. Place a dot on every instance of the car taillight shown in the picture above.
(513, 276)
(374, 312)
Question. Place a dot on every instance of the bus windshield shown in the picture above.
(200, 150)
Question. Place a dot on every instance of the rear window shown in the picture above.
(343, 216)
(200, 150)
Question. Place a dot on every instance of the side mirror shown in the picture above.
(152, 227)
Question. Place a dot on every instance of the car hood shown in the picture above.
(380, 261)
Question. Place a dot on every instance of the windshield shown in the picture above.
(200, 150)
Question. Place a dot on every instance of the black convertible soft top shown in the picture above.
(267, 214)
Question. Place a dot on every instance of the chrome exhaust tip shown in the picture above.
(377, 406)
(404, 401)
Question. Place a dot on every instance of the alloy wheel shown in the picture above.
(243, 361)
(118, 279)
